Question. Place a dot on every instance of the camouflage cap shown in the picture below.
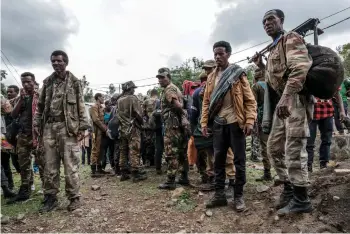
(209, 64)
(128, 85)
(163, 72)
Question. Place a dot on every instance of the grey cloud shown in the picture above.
(32, 29)
(240, 22)
(174, 60)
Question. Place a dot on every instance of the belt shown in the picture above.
(55, 119)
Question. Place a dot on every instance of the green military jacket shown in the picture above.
(73, 105)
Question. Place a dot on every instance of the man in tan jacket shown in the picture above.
(234, 120)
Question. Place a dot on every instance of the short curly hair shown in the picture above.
(224, 44)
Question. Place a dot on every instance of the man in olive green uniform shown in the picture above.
(61, 118)
(149, 106)
(174, 119)
(96, 113)
(287, 66)
(130, 122)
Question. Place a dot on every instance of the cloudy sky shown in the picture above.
(113, 41)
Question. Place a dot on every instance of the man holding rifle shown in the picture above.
(286, 69)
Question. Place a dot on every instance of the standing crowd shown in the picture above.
(130, 134)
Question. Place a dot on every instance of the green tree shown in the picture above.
(88, 94)
(189, 70)
(250, 69)
(111, 89)
(344, 52)
(3, 86)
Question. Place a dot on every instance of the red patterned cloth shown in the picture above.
(323, 109)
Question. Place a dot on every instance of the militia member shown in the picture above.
(259, 91)
(175, 142)
(99, 132)
(61, 119)
(286, 69)
(24, 110)
(149, 106)
(233, 117)
(130, 122)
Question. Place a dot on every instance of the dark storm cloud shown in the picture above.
(32, 29)
(240, 22)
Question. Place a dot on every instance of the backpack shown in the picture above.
(325, 74)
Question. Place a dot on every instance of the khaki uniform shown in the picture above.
(61, 108)
(129, 111)
(174, 139)
(96, 112)
(287, 140)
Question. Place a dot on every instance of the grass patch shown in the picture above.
(185, 203)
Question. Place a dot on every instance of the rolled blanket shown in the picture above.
(230, 76)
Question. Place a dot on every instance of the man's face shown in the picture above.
(11, 93)
(163, 81)
(27, 83)
(272, 24)
(208, 70)
(101, 100)
(221, 56)
(58, 64)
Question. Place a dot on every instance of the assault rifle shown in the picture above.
(302, 29)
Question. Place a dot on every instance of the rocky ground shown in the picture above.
(113, 206)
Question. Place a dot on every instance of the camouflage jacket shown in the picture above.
(129, 112)
(149, 106)
(170, 93)
(73, 105)
(288, 64)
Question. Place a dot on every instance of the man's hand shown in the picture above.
(257, 59)
(22, 93)
(284, 106)
(342, 116)
(205, 131)
(80, 135)
(248, 128)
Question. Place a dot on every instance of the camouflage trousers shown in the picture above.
(263, 149)
(149, 149)
(129, 148)
(39, 159)
(59, 146)
(287, 143)
(96, 148)
(24, 151)
(175, 151)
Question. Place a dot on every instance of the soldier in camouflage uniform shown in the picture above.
(61, 119)
(130, 123)
(149, 106)
(24, 111)
(175, 141)
(287, 66)
(259, 91)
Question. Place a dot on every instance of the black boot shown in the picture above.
(94, 172)
(23, 194)
(169, 184)
(209, 186)
(159, 171)
(74, 204)
(137, 176)
(7, 192)
(219, 199)
(124, 176)
(117, 170)
(266, 177)
(309, 167)
(323, 164)
(299, 204)
(286, 195)
(183, 180)
(49, 204)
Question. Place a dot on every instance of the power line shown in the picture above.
(10, 63)
(335, 13)
(10, 71)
